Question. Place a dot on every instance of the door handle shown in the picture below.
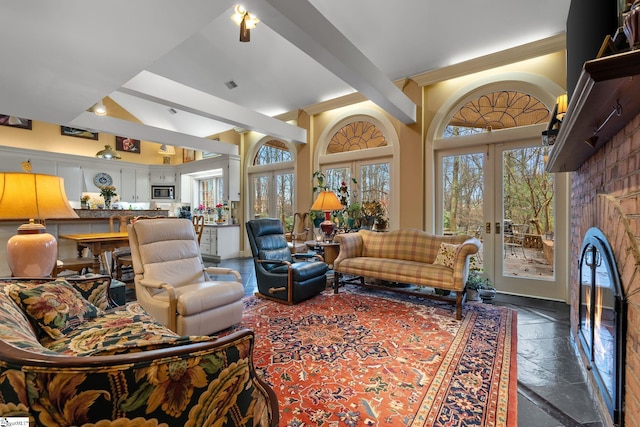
(497, 228)
(487, 228)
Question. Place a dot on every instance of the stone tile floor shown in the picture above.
(552, 387)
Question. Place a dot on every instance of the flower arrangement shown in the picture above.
(343, 192)
(219, 209)
(108, 191)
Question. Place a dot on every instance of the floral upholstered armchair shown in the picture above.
(68, 357)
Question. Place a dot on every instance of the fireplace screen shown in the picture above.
(602, 319)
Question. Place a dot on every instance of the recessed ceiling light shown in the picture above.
(231, 84)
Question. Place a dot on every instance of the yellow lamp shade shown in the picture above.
(27, 195)
(327, 201)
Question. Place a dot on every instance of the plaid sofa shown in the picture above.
(406, 256)
(69, 357)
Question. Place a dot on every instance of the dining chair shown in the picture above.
(120, 257)
(198, 224)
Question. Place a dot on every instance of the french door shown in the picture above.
(272, 195)
(501, 194)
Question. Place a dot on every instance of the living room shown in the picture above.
(414, 150)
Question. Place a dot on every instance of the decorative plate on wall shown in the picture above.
(102, 179)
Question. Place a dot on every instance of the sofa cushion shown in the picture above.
(126, 329)
(446, 254)
(53, 307)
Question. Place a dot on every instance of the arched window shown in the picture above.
(272, 181)
(358, 148)
(496, 110)
(272, 151)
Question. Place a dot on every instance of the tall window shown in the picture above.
(272, 182)
(359, 150)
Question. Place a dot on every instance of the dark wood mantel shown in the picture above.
(603, 84)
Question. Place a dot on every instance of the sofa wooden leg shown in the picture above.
(336, 281)
(459, 300)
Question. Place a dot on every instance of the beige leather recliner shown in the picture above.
(172, 283)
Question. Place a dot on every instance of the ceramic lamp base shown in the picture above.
(32, 252)
(328, 227)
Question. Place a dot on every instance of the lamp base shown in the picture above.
(32, 252)
(328, 227)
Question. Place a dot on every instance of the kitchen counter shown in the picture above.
(106, 213)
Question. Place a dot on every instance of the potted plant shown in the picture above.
(319, 181)
(475, 282)
(354, 212)
(316, 217)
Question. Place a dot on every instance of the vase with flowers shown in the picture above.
(219, 210)
(84, 201)
(108, 192)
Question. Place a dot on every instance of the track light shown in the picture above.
(100, 109)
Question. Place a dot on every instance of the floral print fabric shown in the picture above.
(214, 383)
(53, 308)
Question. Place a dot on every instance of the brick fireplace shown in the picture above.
(605, 194)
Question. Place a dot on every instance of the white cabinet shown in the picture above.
(70, 172)
(220, 242)
(135, 185)
(232, 180)
(164, 175)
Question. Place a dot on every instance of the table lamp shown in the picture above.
(327, 201)
(33, 252)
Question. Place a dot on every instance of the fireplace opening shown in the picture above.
(603, 320)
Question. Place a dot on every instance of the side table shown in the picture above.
(328, 250)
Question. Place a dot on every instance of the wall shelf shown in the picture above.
(603, 83)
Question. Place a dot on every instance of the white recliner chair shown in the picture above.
(172, 283)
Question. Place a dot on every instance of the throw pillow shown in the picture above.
(446, 254)
(53, 307)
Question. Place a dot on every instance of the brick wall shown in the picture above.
(605, 193)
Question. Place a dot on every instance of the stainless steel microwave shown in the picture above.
(163, 192)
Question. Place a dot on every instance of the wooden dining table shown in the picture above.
(98, 243)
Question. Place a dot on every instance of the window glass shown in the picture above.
(496, 110)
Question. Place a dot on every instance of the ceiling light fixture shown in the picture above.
(108, 153)
(172, 111)
(246, 21)
(100, 109)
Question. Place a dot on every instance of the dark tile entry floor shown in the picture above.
(552, 386)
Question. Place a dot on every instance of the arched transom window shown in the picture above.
(496, 110)
(273, 151)
(358, 135)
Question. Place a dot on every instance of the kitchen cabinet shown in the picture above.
(72, 185)
(232, 180)
(220, 242)
(163, 175)
(135, 186)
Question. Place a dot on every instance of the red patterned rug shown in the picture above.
(376, 358)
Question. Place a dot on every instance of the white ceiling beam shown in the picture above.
(155, 88)
(304, 26)
(121, 127)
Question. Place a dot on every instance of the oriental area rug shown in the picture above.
(364, 357)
